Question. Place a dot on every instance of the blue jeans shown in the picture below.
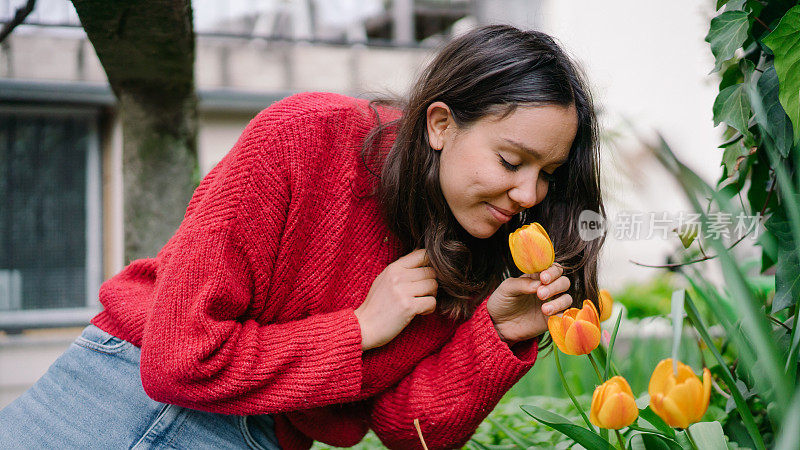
(92, 397)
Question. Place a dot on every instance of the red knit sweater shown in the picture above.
(249, 308)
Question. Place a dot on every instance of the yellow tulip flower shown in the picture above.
(606, 305)
(613, 405)
(681, 399)
(577, 331)
(531, 248)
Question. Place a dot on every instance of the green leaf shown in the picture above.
(769, 113)
(683, 439)
(677, 325)
(760, 183)
(513, 435)
(730, 76)
(653, 419)
(784, 42)
(728, 32)
(478, 444)
(741, 404)
(787, 275)
(687, 234)
(789, 438)
(611, 346)
(651, 441)
(708, 436)
(560, 423)
(732, 106)
(733, 156)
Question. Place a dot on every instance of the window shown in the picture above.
(50, 218)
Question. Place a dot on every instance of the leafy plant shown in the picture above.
(757, 49)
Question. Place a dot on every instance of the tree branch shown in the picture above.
(706, 257)
(19, 17)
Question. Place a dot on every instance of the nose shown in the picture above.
(524, 191)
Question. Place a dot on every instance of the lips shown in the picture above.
(504, 211)
(500, 217)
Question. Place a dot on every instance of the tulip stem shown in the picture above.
(648, 430)
(691, 439)
(596, 369)
(569, 391)
(619, 438)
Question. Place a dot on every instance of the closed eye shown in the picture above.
(508, 165)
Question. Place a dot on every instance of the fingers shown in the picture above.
(559, 304)
(421, 273)
(532, 276)
(417, 258)
(425, 287)
(519, 286)
(425, 305)
(551, 273)
(556, 287)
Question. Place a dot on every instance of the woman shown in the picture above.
(346, 267)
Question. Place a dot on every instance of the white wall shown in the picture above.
(648, 64)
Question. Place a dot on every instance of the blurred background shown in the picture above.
(62, 141)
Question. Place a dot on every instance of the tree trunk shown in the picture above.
(147, 51)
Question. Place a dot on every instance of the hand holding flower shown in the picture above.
(519, 306)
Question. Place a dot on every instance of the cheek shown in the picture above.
(542, 190)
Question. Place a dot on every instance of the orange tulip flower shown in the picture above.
(613, 405)
(531, 248)
(606, 305)
(577, 331)
(681, 399)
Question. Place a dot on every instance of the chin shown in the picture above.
(475, 227)
(480, 232)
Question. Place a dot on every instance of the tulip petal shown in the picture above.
(581, 338)
(618, 411)
(572, 313)
(613, 405)
(621, 384)
(588, 313)
(606, 304)
(662, 379)
(672, 414)
(684, 373)
(531, 248)
(538, 227)
(602, 391)
(556, 326)
(656, 404)
(687, 397)
(706, 392)
(539, 251)
(597, 401)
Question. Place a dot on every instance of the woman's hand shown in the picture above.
(405, 288)
(519, 309)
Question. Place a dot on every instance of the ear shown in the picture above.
(438, 121)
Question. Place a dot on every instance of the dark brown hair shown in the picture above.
(489, 71)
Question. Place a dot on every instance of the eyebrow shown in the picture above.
(529, 150)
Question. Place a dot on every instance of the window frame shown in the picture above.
(14, 321)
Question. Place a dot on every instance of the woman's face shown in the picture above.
(495, 168)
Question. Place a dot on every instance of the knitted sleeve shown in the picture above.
(201, 347)
(452, 391)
